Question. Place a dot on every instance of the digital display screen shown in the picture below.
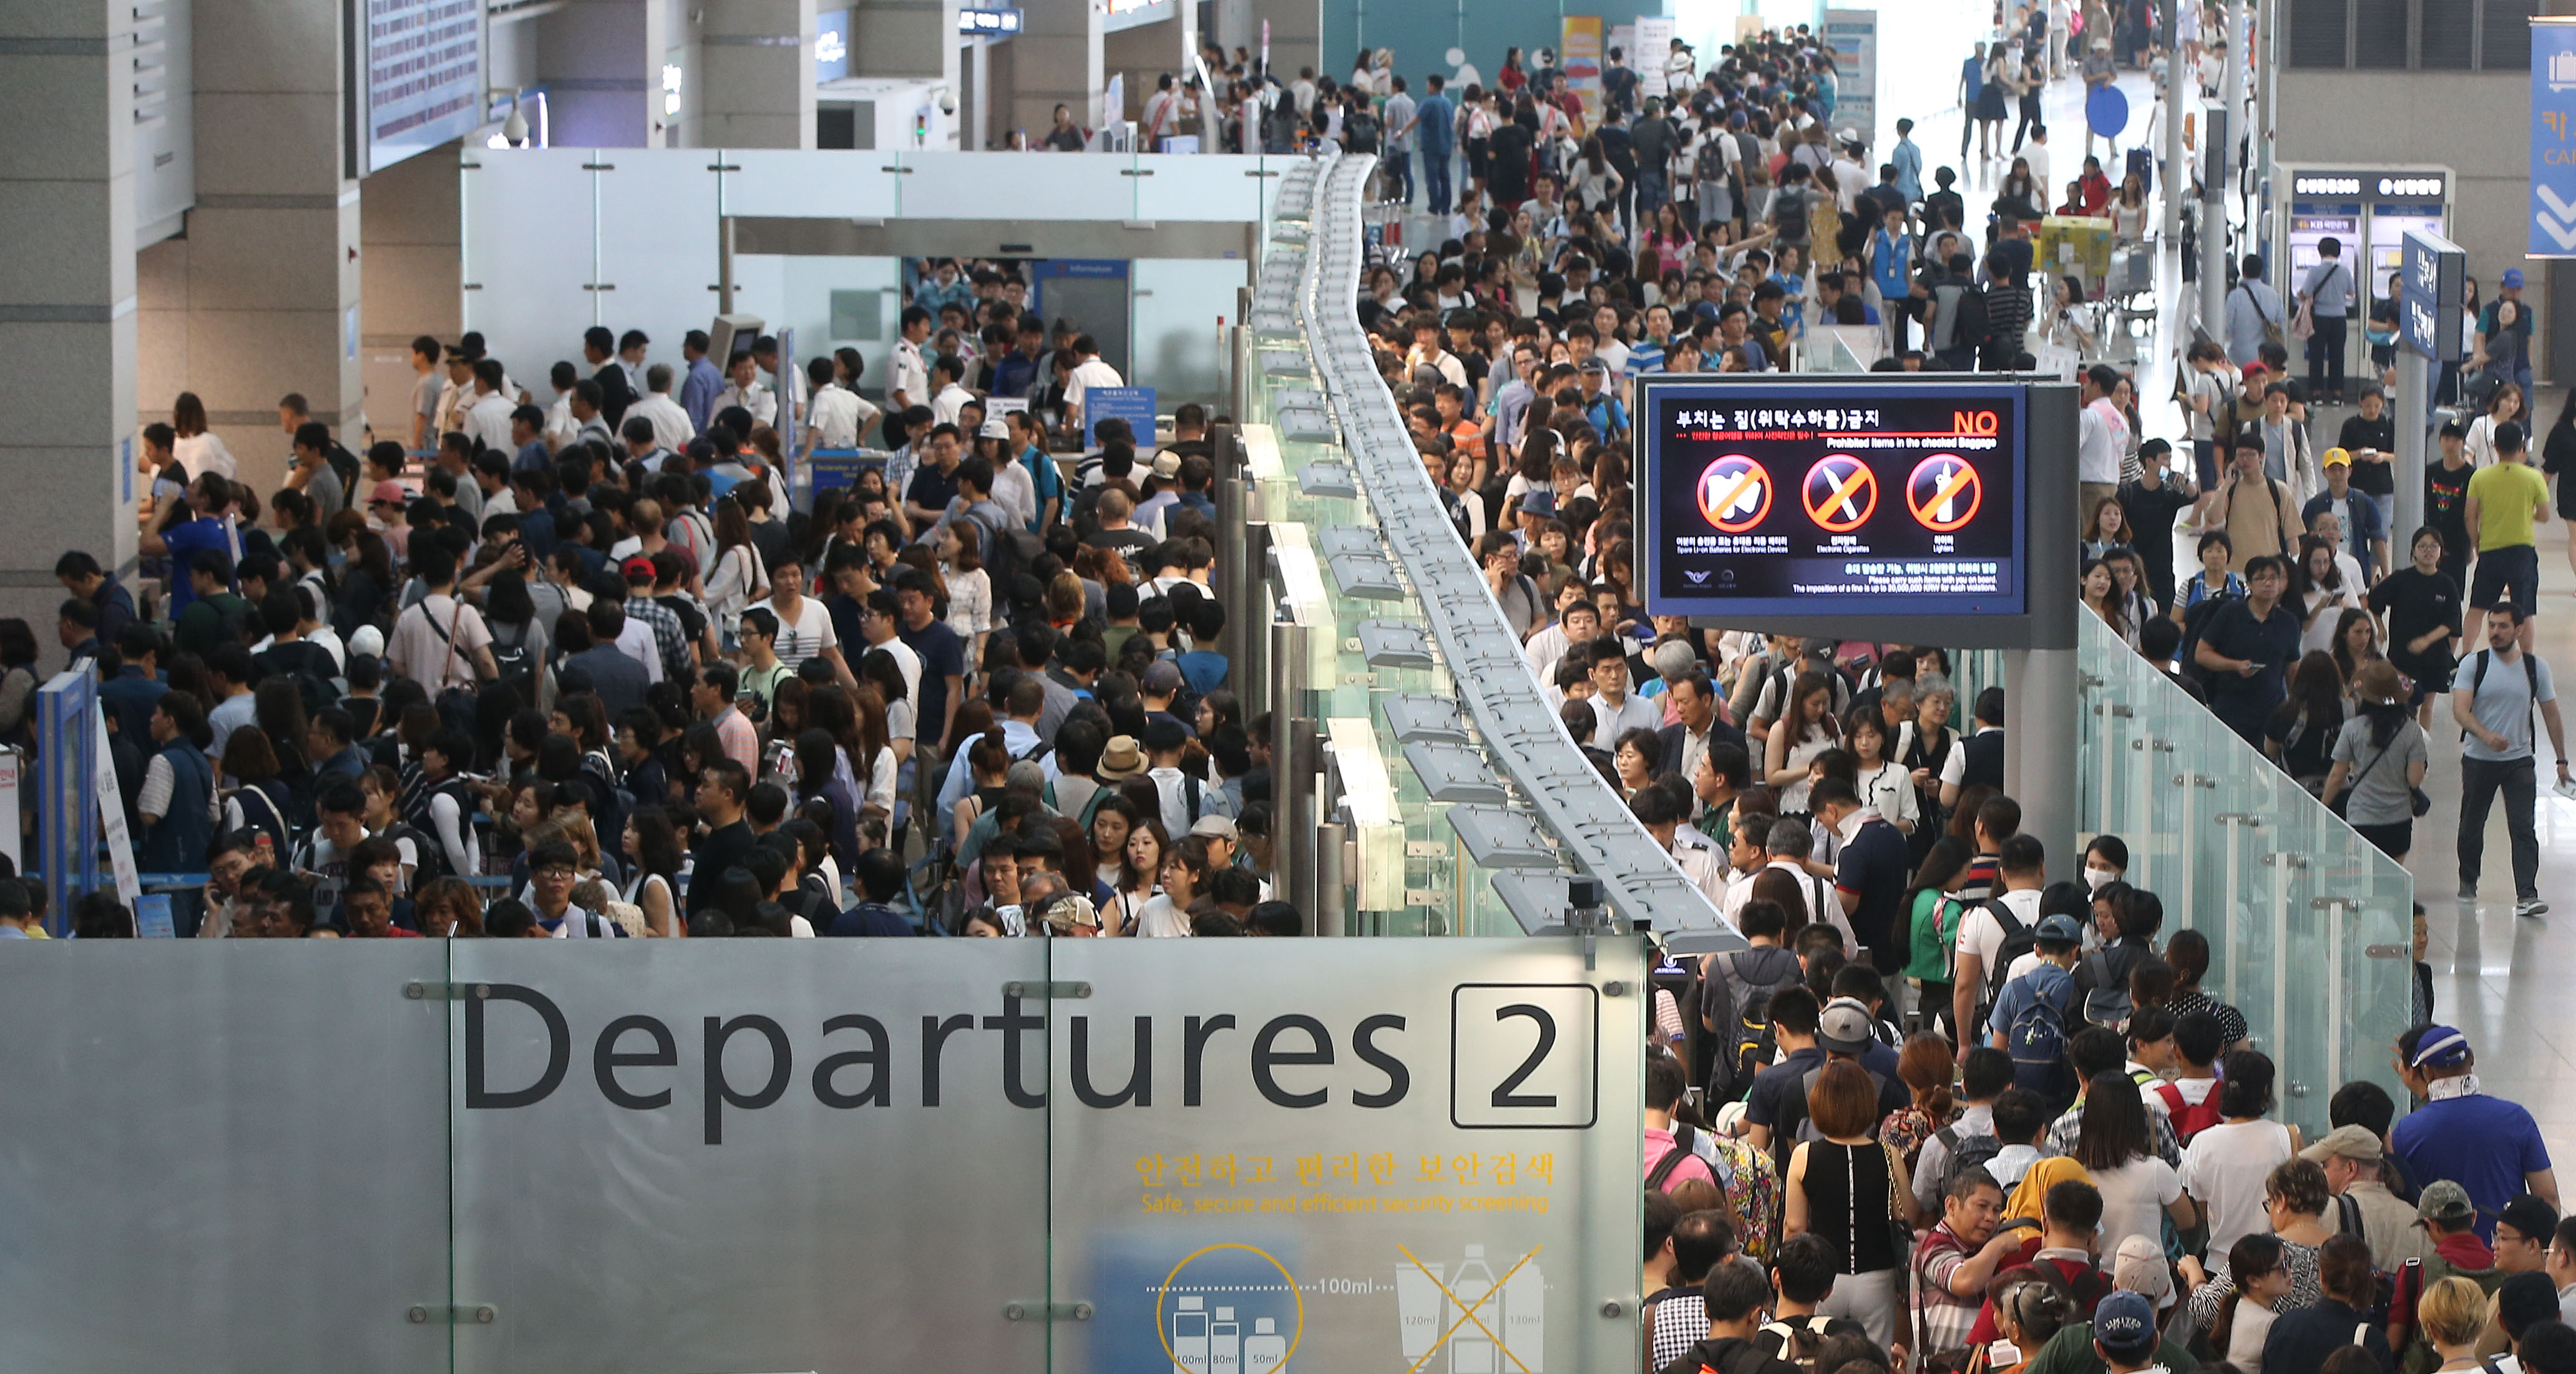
(1870, 498)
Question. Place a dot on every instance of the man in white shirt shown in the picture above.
(671, 427)
(1614, 711)
(1579, 623)
(439, 642)
(1428, 352)
(1088, 372)
(487, 418)
(838, 416)
(1014, 490)
(948, 372)
(747, 391)
(2024, 864)
(911, 373)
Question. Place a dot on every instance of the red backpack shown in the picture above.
(2188, 1119)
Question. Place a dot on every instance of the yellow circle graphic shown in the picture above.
(1296, 1333)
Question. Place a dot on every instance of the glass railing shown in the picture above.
(1445, 799)
(2282, 887)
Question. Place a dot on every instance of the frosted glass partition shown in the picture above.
(808, 183)
(530, 253)
(1221, 188)
(658, 258)
(1179, 308)
(2281, 886)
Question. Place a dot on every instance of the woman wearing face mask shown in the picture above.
(2106, 860)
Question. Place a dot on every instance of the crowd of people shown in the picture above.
(575, 667)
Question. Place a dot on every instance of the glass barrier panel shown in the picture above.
(673, 1156)
(1346, 1164)
(805, 183)
(2282, 887)
(529, 293)
(224, 1155)
(659, 260)
(1176, 340)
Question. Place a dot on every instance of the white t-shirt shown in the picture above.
(1982, 935)
(2132, 1197)
(1161, 918)
(1092, 372)
(2225, 1167)
(803, 635)
(839, 414)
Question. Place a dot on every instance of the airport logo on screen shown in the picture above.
(1898, 504)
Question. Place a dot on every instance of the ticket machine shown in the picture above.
(2369, 206)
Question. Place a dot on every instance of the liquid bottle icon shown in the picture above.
(1471, 1351)
(1265, 1350)
(1225, 1343)
(1190, 1338)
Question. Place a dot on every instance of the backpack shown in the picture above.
(1752, 1184)
(344, 465)
(514, 666)
(2018, 940)
(2036, 1040)
(1361, 131)
(1710, 162)
(2105, 986)
(1799, 1345)
(1659, 1177)
(1754, 1045)
(1008, 552)
(1789, 213)
(1966, 1152)
(2188, 1118)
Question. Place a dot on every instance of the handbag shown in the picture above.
(2304, 323)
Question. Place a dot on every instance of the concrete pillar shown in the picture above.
(267, 283)
(411, 243)
(601, 64)
(1056, 60)
(67, 297)
(755, 75)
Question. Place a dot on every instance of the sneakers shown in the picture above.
(2531, 906)
(2468, 892)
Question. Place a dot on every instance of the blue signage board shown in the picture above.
(831, 44)
(2551, 230)
(67, 734)
(840, 467)
(1134, 404)
(2433, 284)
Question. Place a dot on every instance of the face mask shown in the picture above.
(2095, 877)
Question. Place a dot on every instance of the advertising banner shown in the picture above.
(1852, 35)
(1580, 42)
(2553, 157)
(1654, 34)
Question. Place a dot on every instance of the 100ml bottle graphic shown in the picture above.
(1215, 1342)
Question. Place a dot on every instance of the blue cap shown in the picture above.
(2440, 1047)
(2125, 1323)
(2513, 279)
(2060, 928)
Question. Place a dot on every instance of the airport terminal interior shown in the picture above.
(1959, 591)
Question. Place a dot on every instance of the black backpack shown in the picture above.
(514, 666)
(2478, 680)
(1711, 161)
(1966, 1152)
(2103, 978)
(1789, 212)
(1360, 129)
(344, 464)
(1008, 552)
(2018, 940)
(1754, 1043)
(1679, 1155)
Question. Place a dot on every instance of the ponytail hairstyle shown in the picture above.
(2254, 1255)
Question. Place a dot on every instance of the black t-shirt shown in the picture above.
(2446, 505)
(693, 622)
(1873, 866)
(1064, 140)
(723, 848)
(2371, 479)
(2416, 603)
(2150, 514)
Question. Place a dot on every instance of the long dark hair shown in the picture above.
(2316, 691)
(2113, 1130)
(1947, 858)
(2255, 1254)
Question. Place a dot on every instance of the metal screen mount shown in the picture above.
(1046, 1311)
(1040, 992)
(461, 1314)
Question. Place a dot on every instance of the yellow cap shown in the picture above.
(2337, 458)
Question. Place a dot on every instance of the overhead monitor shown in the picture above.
(1903, 499)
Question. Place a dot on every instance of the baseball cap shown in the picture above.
(2439, 1047)
(2125, 1323)
(2347, 1141)
(995, 428)
(1844, 1026)
(2534, 1220)
(637, 569)
(2140, 1268)
(1163, 676)
(1595, 364)
(391, 491)
(1538, 503)
(2513, 278)
(1215, 826)
(1167, 464)
(2445, 1201)
(2337, 458)
(2060, 929)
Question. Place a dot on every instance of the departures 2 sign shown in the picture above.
(1877, 498)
